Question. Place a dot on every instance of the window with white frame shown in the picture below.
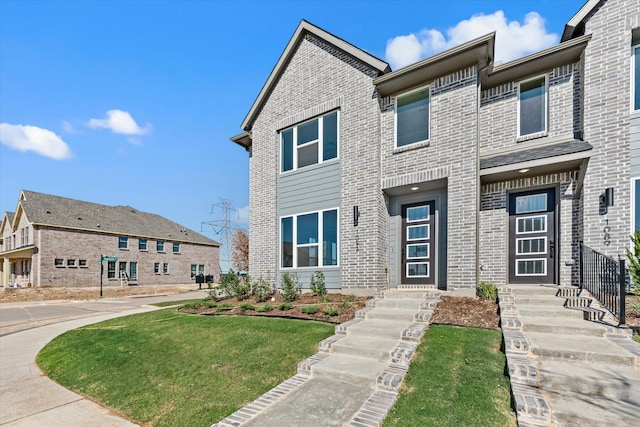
(635, 206)
(412, 117)
(165, 268)
(309, 240)
(24, 236)
(309, 143)
(123, 242)
(635, 97)
(156, 268)
(532, 106)
(142, 244)
(133, 270)
(71, 263)
(111, 269)
(160, 246)
(176, 247)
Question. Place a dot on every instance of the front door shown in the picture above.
(418, 244)
(532, 231)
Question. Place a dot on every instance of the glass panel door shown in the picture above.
(418, 261)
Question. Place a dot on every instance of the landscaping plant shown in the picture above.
(634, 262)
(309, 309)
(261, 289)
(289, 286)
(317, 286)
(487, 291)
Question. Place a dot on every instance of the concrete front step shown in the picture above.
(379, 328)
(412, 295)
(391, 314)
(349, 368)
(599, 380)
(582, 410)
(585, 349)
(399, 303)
(547, 311)
(541, 300)
(574, 325)
(377, 348)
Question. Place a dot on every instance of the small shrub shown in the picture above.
(284, 306)
(487, 291)
(351, 298)
(264, 308)
(634, 308)
(228, 282)
(331, 311)
(317, 286)
(210, 304)
(262, 290)
(211, 296)
(309, 309)
(324, 298)
(209, 285)
(225, 307)
(345, 304)
(193, 305)
(246, 306)
(289, 286)
(634, 262)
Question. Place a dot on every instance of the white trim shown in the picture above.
(419, 244)
(421, 219)
(633, 202)
(419, 238)
(395, 118)
(535, 231)
(531, 238)
(546, 106)
(532, 259)
(408, 276)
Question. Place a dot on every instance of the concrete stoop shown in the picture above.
(570, 365)
(354, 377)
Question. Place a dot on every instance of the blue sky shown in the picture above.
(133, 102)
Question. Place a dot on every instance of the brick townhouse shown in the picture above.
(56, 241)
(452, 170)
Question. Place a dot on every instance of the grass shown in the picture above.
(165, 368)
(456, 379)
(178, 302)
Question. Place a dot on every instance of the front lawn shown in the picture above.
(172, 369)
(456, 379)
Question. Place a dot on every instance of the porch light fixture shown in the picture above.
(356, 216)
(523, 170)
(415, 188)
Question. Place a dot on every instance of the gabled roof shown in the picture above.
(303, 29)
(7, 221)
(55, 211)
(574, 26)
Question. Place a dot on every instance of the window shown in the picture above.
(412, 117)
(532, 106)
(160, 246)
(302, 237)
(156, 268)
(123, 242)
(122, 268)
(635, 96)
(133, 270)
(309, 143)
(58, 262)
(71, 263)
(635, 207)
(193, 269)
(165, 268)
(176, 247)
(111, 270)
(24, 236)
(201, 269)
(82, 263)
(142, 244)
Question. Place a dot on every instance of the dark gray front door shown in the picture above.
(532, 231)
(418, 243)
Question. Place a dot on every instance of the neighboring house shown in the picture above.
(450, 171)
(56, 241)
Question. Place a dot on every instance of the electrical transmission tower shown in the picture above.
(224, 227)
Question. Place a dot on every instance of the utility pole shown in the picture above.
(223, 227)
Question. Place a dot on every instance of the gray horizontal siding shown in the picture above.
(635, 144)
(309, 189)
(331, 276)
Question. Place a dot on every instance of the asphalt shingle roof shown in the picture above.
(535, 154)
(56, 211)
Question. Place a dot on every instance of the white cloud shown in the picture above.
(68, 127)
(33, 138)
(513, 39)
(119, 122)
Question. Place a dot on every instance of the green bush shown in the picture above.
(284, 306)
(331, 311)
(210, 304)
(634, 308)
(264, 308)
(194, 305)
(261, 289)
(228, 282)
(317, 286)
(211, 296)
(309, 309)
(345, 304)
(351, 298)
(487, 291)
(634, 262)
(225, 307)
(246, 306)
(289, 286)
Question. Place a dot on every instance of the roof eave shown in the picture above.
(303, 28)
(243, 140)
(577, 19)
(561, 54)
(475, 52)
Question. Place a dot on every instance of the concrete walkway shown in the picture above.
(353, 380)
(569, 364)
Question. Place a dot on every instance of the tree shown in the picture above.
(240, 250)
(634, 262)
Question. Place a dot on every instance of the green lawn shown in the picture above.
(456, 379)
(173, 369)
(178, 302)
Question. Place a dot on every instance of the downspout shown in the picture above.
(478, 186)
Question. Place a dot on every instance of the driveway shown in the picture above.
(28, 398)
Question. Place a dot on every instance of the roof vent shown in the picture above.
(48, 212)
(79, 219)
(97, 225)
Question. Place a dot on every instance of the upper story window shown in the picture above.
(309, 240)
(123, 242)
(160, 246)
(412, 117)
(24, 236)
(532, 106)
(636, 78)
(176, 247)
(142, 244)
(309, 143)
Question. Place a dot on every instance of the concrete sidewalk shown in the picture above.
(29, 398)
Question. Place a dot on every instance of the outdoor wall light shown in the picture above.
(523, 170)
(356, 216)
(608, 196)
(415, 188)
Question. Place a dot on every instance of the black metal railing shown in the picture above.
(605, 278)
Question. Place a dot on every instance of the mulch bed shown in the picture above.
(466, 311)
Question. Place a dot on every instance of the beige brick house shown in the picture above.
(56, 241)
